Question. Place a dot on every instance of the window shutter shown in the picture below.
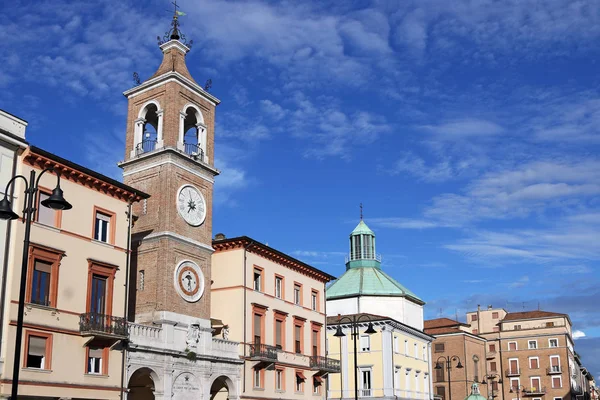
(364, 343)
(43, 266)
(37, 346)
(95, 352)
(102, 217)
(554, 361)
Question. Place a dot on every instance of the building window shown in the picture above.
(300, 378)
(46, 215)
(258, 322)
(424, 353)
(549, 324)
(38, 348)
(416, 349)
(317, 381)
(439, 375)
(365, 383)
(495, 315)
(314, 300)
(279, 287)
(279, 379)
(100, 287)
(441, 392)
(474, 317)
(95, 360)
(493, 367)
(279, 333)
(532, 344)
(492, 348)
(365, 343)
(42, 275)
(517, 327)
(512, 346)
(315, 342)
(258, 378)
(104, 226)
(257, 279)
(142, 280)
(298, 342)
(397, 377)
(396, 344)
(406, 347)
(494, 385)
(439, 348)
(555, 363)
(535, 384)
(553, 342)
(298, 294)
(515, 383)
(534, 363)
(513, 366)
(556, 382)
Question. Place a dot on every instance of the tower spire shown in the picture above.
(361, 212)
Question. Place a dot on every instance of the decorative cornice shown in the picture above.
(176, 236)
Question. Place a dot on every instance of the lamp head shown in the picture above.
(338, 332)
(483, 381)
(56, 201)
(6, 212)
(459, 365)
(511, 390)
(370, 330)
(437, 365)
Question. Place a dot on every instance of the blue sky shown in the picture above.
(470, 130)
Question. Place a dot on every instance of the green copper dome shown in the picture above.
(362, 229)
(475, 395)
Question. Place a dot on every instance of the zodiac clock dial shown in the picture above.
(189, 281)
(191, 205)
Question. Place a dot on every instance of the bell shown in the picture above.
(6, 211)
(56, 201)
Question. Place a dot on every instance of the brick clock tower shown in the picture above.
(170, 155)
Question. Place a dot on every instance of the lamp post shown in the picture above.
(448, 361)
(491, 377)
(56, 201)
(518, 389)
(354, 325)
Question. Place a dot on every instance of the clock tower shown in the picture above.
(170, 155)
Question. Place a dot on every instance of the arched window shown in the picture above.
(193, 132)
(148, 129)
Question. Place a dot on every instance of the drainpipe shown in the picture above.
(126, 305)
(245, 316)
(6, 252)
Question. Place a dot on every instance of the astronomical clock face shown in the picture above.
(189, 281)
(191, 205)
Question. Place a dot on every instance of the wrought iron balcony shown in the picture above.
(513, 372)
(555, 369)
(325, 364)
(534, 391)
(194, 150)
(263, 352)
(145, 146)
(94, 324)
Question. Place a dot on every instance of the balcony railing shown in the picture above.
(325, 364)
(194, 150)
(263, 352)
(555, 369)
(359, 256)
(534, 391)
(145, 146)
(102, 325)
(365, 392)
(513, 372)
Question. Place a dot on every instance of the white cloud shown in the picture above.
(404, 223)
(466, 128)
(524, 280)
(577, 334)
(272, 109)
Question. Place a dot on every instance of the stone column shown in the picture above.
(180, 145)
(345, 368)
(388, 367)
(160, 142)
(138, 134)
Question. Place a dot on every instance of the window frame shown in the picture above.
(439, 350)
(111, 231)
(277, 316)
(57, 213)
(298, 299)
(495, 315)
(556, 356)
(539, 379)
(48, 350)
(363, 349)
(518, 380)
(103, 362)
(534, 358)
(261, 279)
(535, 346)
(518, 365)
(281, 371)
(314, 300)
(560, 380)
(550, 343)
(260, 373)
(396, 344)
(516, 346)
(281, 288)
(299, 323)
(102, 269)
(315, 328)
(45, 254)
(261, 312)
(300, 380)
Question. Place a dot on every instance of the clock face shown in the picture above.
(191, 205)
(189, 281)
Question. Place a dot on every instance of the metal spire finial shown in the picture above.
(361, 211)
(175, 33)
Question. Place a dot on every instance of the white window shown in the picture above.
(36, 352)
(257, 279)
(297, 290)
(532, 344)
(313, 301)
(396, 344)
(535, 384)
(278, 287)
(279, 379)
(102, 227)
(513, 366)
(534, 362)
(416, 347)
(365, 343)
(397, 377)
(514, 383)
(416, 382)
(365, 382)
(94, 364)
(46, 216)
(552, 342)
(512, 346)
(257, 378)
(407, 380)
(406, 347)
(424, 353)
(554, 363)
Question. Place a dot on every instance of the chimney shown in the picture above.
(220, 236)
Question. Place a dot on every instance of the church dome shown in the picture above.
(475, 395)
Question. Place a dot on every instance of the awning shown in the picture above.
(318, 378)
(300, 375)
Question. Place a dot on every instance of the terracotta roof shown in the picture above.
(441, 322)
(531, 314)
(443, 331)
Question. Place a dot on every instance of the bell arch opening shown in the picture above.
(193, 132)
(148, 129)
(141, 385)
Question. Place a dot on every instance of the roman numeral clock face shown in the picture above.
(191, 205)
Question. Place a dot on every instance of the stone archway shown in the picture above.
(142, 385)
(221, 389)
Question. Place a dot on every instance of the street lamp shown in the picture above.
(518, 389)
(490, 377)
(448, 361)
(56, 201)
(354, 325)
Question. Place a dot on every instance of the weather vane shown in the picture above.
(174, 33)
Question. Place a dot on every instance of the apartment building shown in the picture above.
(274, 305)
(394, 361)
(453, 344)
(75, 298)
(533, 350)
